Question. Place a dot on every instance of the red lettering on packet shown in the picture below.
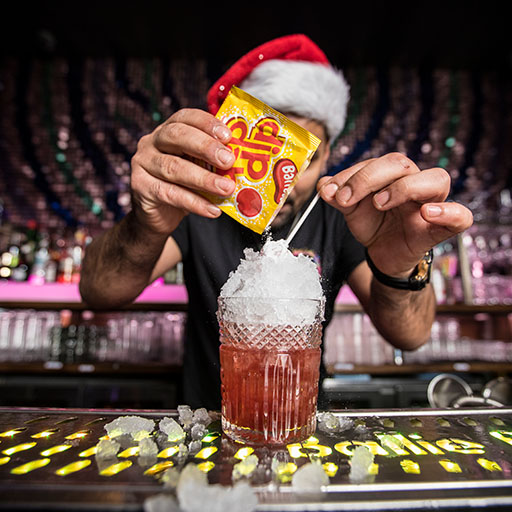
(254, 148)
(284, 174)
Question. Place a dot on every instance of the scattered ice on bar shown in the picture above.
(161, 503)
(201, 416)
(170, 478)
(360, 464)
(194, 446)
(310, 477)
(195, 494)
(172, 428)
(136, 426)
(185, 416)
(197, 431)
(245, 467)
(330, 423)
(273, 273)
(147, 448)
(107, 448)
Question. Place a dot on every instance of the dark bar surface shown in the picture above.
(449, 459)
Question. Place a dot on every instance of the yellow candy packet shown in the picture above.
(271, 153)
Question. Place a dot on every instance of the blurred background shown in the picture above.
(81, 83)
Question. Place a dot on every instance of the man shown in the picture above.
(385, 207)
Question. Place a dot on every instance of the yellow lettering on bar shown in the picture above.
(205, 453)
(114, 469)
(410, 445)
(373, 469)
(502, 435)
(461, 446)
(78, 435)
(206, 466)
(375, 448)
(45, 433)
(129, 452)
(208, 438)
(243, 453)
(450, 466)
(330, 468)
(430, 447)
(18, 448)
(159, 467)
(89, 452)
(490, 465)
(168, 452)
(4, 460)
(12, 432)
(411, 467)
(73, 467)
(392, 443)
(55, 449)
(30, 466)
(284, 471)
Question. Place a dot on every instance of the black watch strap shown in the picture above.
(416, 281)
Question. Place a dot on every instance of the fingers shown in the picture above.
(446, 219)
(349, 187)
(431, 185)
(198, 134)
(151, 191)
(180, 171)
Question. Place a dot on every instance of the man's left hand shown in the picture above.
(395, 210)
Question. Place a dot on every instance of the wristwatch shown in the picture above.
(417, 280)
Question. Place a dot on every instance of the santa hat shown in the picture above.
(292, 75)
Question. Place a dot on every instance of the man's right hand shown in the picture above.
(165, 182)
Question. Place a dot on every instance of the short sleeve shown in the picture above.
(182, 238)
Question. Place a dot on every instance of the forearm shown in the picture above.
(404, 318)
(117, 265)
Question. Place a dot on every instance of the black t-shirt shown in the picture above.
(212, 248)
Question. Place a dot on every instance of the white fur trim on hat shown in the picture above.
(307, 89)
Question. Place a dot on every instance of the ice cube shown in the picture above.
(172, 428)
(197, 431)
(161, 503)
(245, 467)
(360, 464)
(344, 423)
(327, 422)
(170, 478)
(136, 426)
(107, 448)
(185, 416)
(196, 495)
(310, 477)
(194, 447)
(147, 448)
(201, 416)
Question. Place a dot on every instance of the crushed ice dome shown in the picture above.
(274, 273)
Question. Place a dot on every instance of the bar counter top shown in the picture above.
(424, 459)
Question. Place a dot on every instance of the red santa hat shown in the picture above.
(293, 75)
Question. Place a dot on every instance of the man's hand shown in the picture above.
(395, 210)
(165, 182)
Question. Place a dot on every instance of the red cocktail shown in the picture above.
(269, 376)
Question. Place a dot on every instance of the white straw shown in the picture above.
(303, 217)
